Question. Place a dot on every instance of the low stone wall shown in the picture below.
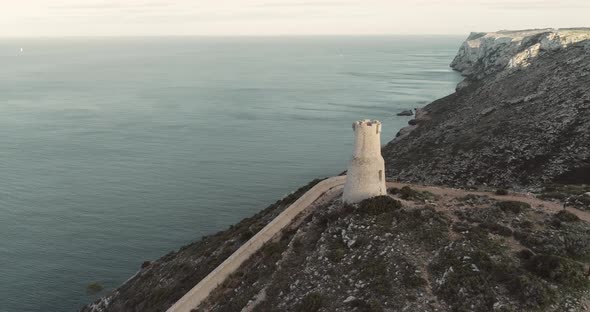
(197, 294)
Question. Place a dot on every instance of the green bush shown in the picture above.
(364, 306)
(337, 250)
(496, 228)
(557, 269)
(531, 291)
(375, 271)
(501, 192)
(393, 190)
(311, 303)
(566, 216)
(525, 254)
(378, 205)
(513, 206)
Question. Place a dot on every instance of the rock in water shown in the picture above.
(407, 112)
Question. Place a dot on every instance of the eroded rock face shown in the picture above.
(512, 128)
(484, 54)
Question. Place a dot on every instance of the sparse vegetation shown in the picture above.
(388, 256)
(408, 193)
(558, 269)
(496, 228)
(376, 272)
(569, 195)
(501, 192)
(378, 205)
(513, 206)
(566, 216)
(337, 250)
(311, 303)
(474, 199)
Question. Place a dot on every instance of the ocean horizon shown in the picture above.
(115, 151)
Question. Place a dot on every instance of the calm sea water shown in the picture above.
(116, 151)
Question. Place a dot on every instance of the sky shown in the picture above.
(40, 18)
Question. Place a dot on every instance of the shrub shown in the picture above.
(146, 264)
(525, 254)
(379, 205)
(407, 193)
(557, 269)
(337, 250)
(513, 206)
(531, 291)
(461, 227)
(375, 271)
(393, 190)
(566, 216)
(496, 228)
(473, 199)
(274, 250)
(364, 306)
(501, 192)
(311, 303)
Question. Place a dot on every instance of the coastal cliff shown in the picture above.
(423, 248)
(485, 54)
(516, 127)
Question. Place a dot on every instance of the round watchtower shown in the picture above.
(366, 170)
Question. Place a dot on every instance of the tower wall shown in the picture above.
(366, 170)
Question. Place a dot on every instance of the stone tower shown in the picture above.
(366, 170)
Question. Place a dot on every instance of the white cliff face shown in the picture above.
(366, 171)
(483, 54)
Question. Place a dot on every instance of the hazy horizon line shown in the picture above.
(275, 35)
(236, 36)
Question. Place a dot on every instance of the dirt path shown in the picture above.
(319, 193)
(448, 193)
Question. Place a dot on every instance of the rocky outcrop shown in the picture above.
(485, 54)
(512, 128)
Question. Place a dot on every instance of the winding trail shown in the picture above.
(318, 195)
(197, 294)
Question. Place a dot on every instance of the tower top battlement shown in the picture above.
(366, 123)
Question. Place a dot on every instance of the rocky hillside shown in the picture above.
(419, 252)
(516, 123)
(413, 251)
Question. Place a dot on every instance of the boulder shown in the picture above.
(407, 112)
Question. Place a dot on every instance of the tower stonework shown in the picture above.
(366, 170)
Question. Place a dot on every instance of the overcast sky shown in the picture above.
(282, 17)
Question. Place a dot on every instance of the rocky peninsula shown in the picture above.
(473, 219)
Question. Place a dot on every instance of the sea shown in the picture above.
(114, 151)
